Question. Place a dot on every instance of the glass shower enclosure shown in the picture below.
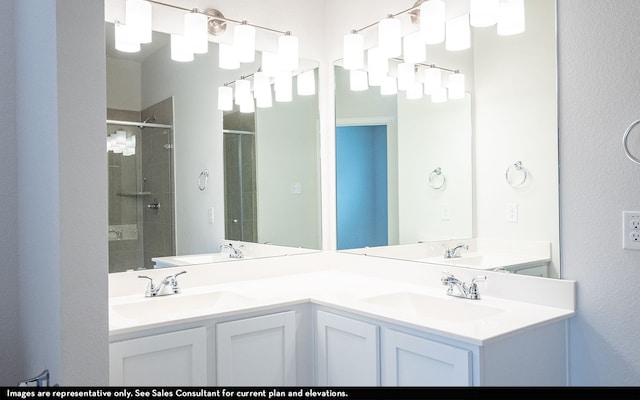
(141, 193)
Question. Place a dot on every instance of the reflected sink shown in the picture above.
(180, 305)
(449, 309)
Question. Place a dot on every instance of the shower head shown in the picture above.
(151, 118)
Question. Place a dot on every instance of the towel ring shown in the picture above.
(203, 179)
(513, 168)
(434, 174)
(626, 146)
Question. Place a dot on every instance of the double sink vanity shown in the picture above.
(327, 318)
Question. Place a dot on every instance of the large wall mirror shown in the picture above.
(484, 166)
(197, 177)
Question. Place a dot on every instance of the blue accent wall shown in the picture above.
(361, 168)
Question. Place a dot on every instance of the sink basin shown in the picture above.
(180, 305)
(449, 309)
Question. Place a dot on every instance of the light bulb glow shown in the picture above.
(307, 83)
(261, 85)
(265, 100)
(225, 98)
(415, 91)
(377, 66)
(288, 52)
(458, 33)
(432, 21)
(511, 18)
(483, 13)
(242, 91)
(125, 39)
(353, 51)
(180, 49)
(227, 58)
(414, 50)
(456, 86)
(244, 42)
(358, 80)
(195, 32)
(390, 37)
(406, 75)
(283, 87)
(138, 17)
(389, 86)
(270, 64)
(432, 80)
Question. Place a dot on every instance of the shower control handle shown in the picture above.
(154, 206)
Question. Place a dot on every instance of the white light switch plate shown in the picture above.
(631, 230)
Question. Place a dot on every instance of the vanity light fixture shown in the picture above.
(306, 83)
(194, 39)
(434, 28)
(121, 142)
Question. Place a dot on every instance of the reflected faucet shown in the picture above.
(454, 283)
(168, 286)
(453, 253)
(236, 252)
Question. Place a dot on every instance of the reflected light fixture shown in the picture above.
(456, 86)
(406, 75)
(358, 80)
(227, 57)
(125, 40)
(389, 86)
(283, 87)
(306, 83)
(458, 33)
(181, 50)
(432, 80)
(511, 19)
(225, 98)
(432, 21)
(288, 52)
(414, 49)
(353, 51)
(138, 17)
(483, 13)
(390, 37)
(244, 42)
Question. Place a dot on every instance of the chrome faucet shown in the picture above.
(236, 252)
(168, 286)
(454, 283)
(453, 252)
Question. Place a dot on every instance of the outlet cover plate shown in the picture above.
(631, 230)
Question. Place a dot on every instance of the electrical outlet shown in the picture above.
(512, 212)
(631, 230)
(445, 213)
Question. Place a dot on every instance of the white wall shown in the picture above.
(10, 367)
(62, 203)
(124, 90)
(599, 86)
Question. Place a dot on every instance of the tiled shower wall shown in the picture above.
(144, 179)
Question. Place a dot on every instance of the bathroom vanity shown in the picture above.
(337, 319)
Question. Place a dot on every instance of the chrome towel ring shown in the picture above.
(513, 171)
(435, 176)
(203, 179)
(625, 145)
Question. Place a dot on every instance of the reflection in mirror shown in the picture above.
(511, 117)
(148, 92)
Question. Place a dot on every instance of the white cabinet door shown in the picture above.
(169, 359)
(346, 351)
(258, 351)
(415, 361)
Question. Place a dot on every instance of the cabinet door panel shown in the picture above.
(170, 359)
(346, 351)
(257, 351)
(414, 361)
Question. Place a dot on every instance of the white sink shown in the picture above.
(179, 305)
(449, 309)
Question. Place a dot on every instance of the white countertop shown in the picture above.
(343, 282)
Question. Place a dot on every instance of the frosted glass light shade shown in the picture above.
(125, 39)
(432, 80)
(483, 13)
(456, 86)
(432, 21)
(261, 85)
(389, 86)
(225, 98)
(353, 51)
(265, 100)
(458, 33)
(390, 37)
(247, 106)
(244, 42)
(270, 64)
(377, 66)
(406, 75)
(180, 49)
(358, 80)
(415, 91)
(138, 18)
(439, 96)
(242, 91)
(307, 83)
(288, 52)
(195, 32)
(413, 49)
(283, 87)
(511, 19)
(227, 58)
